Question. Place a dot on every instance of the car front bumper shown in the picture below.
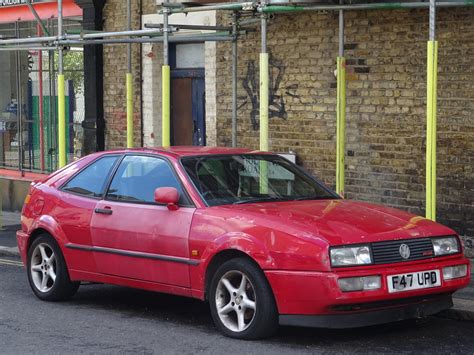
(315, 299)
(414, 308)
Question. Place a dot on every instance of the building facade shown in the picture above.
(386, 98)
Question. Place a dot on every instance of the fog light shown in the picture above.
(454, 272)
(364, 283)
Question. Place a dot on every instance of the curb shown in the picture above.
(462, 310)
(6, 251)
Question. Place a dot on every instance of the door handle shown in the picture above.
(103, 210)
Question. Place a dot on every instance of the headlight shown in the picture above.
(445, 246)
(347, 256)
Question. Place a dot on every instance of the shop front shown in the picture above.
(28, 95)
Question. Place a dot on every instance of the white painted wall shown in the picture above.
(151, 74)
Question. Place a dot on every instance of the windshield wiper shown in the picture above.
(262, 199)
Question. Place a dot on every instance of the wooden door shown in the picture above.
(182, 111)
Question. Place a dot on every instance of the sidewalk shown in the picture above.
(463, 300)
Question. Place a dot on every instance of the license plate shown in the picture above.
(413, 281)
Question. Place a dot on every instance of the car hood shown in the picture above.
(340, 221)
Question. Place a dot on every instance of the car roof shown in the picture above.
(186, 151)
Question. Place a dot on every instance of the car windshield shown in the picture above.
(239, 179)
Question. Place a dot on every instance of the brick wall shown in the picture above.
(386, 55)
(115, 67)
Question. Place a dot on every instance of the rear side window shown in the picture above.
(91, 181)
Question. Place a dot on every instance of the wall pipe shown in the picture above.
(431, 108)
(128, 81)
(238, 6)
(341, 110)
(165, 83)
(235, 19)
(380, 6)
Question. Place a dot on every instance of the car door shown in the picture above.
(73, 210)
(133, 236)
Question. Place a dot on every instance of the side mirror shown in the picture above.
(168, 196)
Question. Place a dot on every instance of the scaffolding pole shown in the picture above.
(431, 107)
(40, 103)
(19, 102)
(128, 81)
(37, 18)
(235, 17)
(341, 110)
(264, 77)
(61, 94)
(165, 83)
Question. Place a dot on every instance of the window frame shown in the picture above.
(297, 167)
(189, 202)
(111, 171)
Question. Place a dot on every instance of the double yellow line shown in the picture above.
(10, 262)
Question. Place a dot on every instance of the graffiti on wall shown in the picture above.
(276, 100)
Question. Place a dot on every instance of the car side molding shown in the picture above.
(136, 254)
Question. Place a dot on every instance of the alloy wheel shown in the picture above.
(43, 267)
(236, 302)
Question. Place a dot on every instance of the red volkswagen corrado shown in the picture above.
(255, 235)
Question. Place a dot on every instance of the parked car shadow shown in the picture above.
(135, 303)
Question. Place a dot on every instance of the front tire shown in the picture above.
(47, 271)
(241, 301)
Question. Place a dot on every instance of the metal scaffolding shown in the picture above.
(165, 33)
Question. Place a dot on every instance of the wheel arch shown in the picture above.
(220, 258)
(36, 233)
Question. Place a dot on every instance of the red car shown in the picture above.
(250, 232)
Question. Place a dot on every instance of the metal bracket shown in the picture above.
(248, 6)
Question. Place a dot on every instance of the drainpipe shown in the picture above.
(431, 107)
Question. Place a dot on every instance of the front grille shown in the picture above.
(389, 251)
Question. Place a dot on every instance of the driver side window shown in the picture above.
(137, 177)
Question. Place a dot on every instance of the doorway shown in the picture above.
(188, 97)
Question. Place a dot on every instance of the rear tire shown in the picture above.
(47, 272)
(241, 301)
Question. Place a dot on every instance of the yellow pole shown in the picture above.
(264, 120)
(431, 107)
(61, 122)
(340, 124)
(165, 98)
(129, 87)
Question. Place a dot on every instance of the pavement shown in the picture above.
(463, 300)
